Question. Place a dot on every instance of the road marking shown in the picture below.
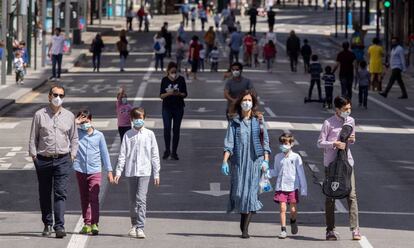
(364, 243)
(8, 125)
(96, 80)
(313, 168)
(141, 60)
(214, 81)
(273, 82)
(410, 108)
(5, 166)
(214, 190)
(125, 81)
(301, 82)
(100, 124)
(303, 154)
(28, 166)
(270, 112)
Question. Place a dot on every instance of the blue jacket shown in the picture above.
(233, 139)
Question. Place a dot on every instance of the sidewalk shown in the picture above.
(10, 92)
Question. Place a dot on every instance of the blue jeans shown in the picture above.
(159, 60)
(363, 95)
(56, 59)
(172, 117)
(53, 176)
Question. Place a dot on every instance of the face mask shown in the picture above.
(57, 101)
(138, 123)
(345, 114)
(124, 100)
(246, 105)
(236, 73)
(85, 126)
(285, 148)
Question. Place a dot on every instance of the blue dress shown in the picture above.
(245, 173)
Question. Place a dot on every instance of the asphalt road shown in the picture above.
(188, 209)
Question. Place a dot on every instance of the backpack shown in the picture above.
(157, 46)
(337, 183)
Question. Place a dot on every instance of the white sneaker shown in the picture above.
(282, 235)
(132, 232)
(140, 233)
(52, 79)
(21, 82)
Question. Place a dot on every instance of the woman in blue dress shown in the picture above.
(246, 145)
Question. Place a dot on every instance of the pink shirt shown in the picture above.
(329, 134)
(122, 113)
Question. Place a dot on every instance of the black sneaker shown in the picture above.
(166, 155)
(174, 156)
(293, 226)
(47, 231)
(60, 233)
(383, 94)
(403, 97)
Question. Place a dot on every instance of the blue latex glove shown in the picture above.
(265, 165)
(225, 168)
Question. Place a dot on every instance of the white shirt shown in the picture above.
(397, 58)
(289, 173)
(58, 42)
(18, 64)
(139, 154)
(160, 41)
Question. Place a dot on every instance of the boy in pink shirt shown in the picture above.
(123, 108)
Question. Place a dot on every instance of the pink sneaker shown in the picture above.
(356, 235)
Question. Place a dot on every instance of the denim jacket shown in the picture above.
(233, 139)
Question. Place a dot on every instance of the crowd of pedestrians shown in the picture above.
(60, 141)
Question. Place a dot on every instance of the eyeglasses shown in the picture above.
(58, 95)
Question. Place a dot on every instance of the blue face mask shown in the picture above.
(285, 148)
(85, 126)
(124, 100)
(138, 123)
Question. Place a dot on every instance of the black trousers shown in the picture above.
(172, 117)
(363, 95)
(253, 27)
(328, 95)
(96, 60)
(293, 57)
(312, 84)
(53, 177)
(56, 61)
(346, 85)
(396, 76)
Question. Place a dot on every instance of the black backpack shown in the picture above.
(337, 183)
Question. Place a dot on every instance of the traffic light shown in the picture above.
(387, 3)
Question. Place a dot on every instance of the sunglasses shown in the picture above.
(58, 95)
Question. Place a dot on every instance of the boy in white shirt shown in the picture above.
(139, 156)
(290, 178)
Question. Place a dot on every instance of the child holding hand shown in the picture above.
(290, 178)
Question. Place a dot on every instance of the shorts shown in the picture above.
(288, 197)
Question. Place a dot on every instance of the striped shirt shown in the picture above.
(329, 79)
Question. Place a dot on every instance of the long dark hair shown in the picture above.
(236, 110)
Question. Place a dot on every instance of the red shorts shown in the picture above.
(288, 197)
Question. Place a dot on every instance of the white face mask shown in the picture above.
(173, 75)
(285, 148)
(345, 114)
(57, 101)
(246, 105)
(236, 73)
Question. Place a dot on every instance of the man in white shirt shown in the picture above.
(397, 63)
(56, 53)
